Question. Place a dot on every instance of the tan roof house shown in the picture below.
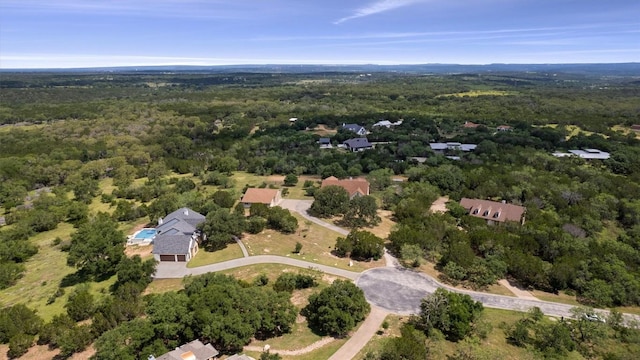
(269, 197)
(194, 350)
(355, 187)
(493, 211)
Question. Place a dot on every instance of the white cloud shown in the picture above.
(377, 7)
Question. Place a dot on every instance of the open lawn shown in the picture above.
(625, 130)
(317, 244)
(561, 297)
(232, 251)
(159, 286)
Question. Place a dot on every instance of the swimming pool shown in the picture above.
(144, 234)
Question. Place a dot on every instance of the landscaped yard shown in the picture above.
(232, 251)
(317, 244)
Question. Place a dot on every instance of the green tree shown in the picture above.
(410, 345)
(281, 220)
(451, 313)
(133, 270)
(362, 211)
(18, 319)
(81, 303)
(223, 199)
(269, 356)
(412, 254)
(126, 341)
(220, 227)
(97, 247)
(336, 309)
(258, 209)
(329, 201)
(380, 179)
(290, 180)
(19, 344)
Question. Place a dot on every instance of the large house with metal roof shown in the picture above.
(177, 236)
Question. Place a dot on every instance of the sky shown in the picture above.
(93, 33)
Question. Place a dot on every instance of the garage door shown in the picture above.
(182, 257)
(167, 258)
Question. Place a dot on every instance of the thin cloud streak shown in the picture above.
(378, 7)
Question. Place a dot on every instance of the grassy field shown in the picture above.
(232, 251)
(159, 286)
(317, 243)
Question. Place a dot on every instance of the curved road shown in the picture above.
(390, 289)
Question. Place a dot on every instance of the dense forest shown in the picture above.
(62, 134)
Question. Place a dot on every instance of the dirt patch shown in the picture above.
(440, 205)
(143, 251)
(42, 352)
(384, 227)
(324, 130)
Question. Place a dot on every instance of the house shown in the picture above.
(292, 120)
(358, 129)
(355, 187)
(387, 123)
(589, 154)
(470, 125)
(325, 143)
(177, 236)
(357, 144)
(269, 197)
(493, 211)
(504, 128)
(635, 127)
(450, 146)
(194, 350)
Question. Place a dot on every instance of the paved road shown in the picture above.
(167, 270)
(301, 207)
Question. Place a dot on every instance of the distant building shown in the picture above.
(470, 125)
(442, 147)
(194, 350)
(357, 144)
(293, 119)
(635, 127)
(325, 143)
(504, 128)
(589, 154)
(355, 128)
(493, 211)
(387, 123)
(269, 197)
(355, 187)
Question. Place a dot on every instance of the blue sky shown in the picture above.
(84, 33)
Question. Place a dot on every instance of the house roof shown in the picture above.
(172, 244)
(591, 154)
(504, 127)
(261, 196)
(493, 210)
(469, 124)
(324, 141)
(194, 350)
(353, 127)
(357, 143)
(353, 186)
(452, 146)
(183, 220)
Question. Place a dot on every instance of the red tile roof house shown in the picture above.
(194, 350)
(470, 125)
(269, 197)
(177, 236)
(494, 211)
(355, 187)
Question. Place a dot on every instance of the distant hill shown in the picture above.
(614, 69)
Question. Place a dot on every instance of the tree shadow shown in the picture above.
(75, 278)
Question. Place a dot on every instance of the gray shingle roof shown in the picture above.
(196, 347)
(183, 220)
(357, 143)
(171, 244)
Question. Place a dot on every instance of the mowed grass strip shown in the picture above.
(317, 244)
(232, 251)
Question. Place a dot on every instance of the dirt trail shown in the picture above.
(440, 205)
(519, 293)
(316, 345)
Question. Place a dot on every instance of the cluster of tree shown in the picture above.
(360, 245)
(586, 332)
(336, 309)
(333, 200)
(290, 281)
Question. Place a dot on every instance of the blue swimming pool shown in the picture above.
(145, 234)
